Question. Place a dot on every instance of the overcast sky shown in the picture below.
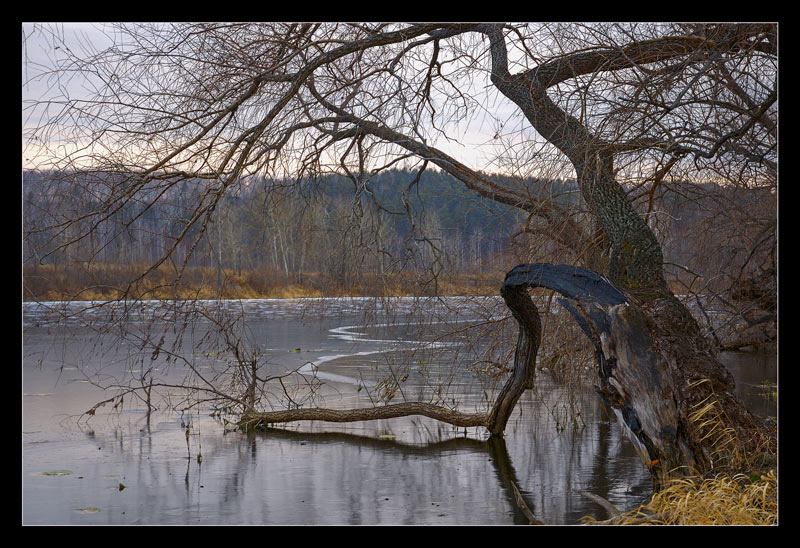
(42, 43)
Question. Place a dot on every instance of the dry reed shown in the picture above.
(720, 500)
(101, 281)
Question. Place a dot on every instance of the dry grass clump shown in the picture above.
(727, 498)
(709, 423)
(721, 500)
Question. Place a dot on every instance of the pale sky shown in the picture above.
(38, 53)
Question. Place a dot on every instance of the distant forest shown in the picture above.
(334, 230)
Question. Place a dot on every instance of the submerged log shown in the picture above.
(391, 411)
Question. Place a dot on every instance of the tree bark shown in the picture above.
(667, 387)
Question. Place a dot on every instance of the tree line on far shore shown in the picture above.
(400, 231)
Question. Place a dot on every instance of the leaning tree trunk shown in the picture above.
(673, 396)
(655, 368)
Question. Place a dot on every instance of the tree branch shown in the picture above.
(450, 416)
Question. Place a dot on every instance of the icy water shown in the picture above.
(127, 467)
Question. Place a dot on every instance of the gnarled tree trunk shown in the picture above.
(655, 367)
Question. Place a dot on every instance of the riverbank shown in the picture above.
(99, 282)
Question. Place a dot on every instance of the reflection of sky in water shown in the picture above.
(429, 473)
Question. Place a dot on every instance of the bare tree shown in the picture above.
(620, 108)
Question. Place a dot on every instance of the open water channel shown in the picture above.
(128, 467)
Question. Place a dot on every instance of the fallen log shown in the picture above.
(390, 411)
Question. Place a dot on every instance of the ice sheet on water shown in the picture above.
(87, 312)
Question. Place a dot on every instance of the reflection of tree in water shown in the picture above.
(532, 455)
(411, 479)
(495, 449)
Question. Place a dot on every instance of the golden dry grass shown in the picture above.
(98, 281)
(726, 498)
(710, 426)
(721, 500)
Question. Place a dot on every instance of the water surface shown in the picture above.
(129, 467)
